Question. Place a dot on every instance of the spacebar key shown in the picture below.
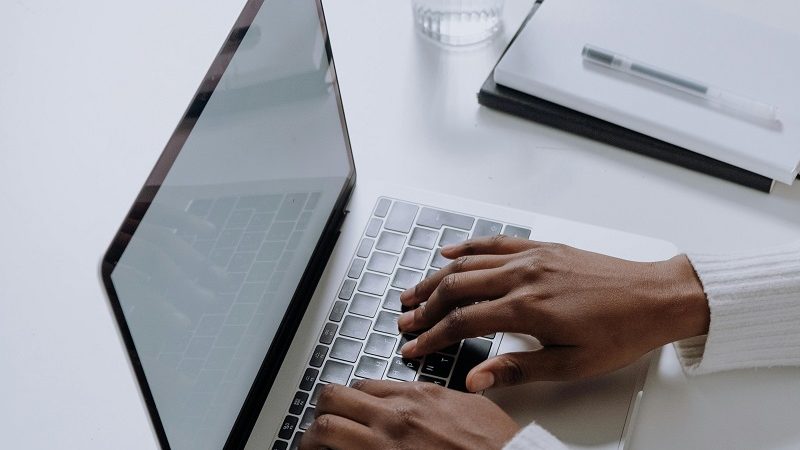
(435, 218)
(473, 352)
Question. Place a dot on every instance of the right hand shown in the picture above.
(592, 313)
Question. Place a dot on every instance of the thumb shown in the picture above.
(511, 369)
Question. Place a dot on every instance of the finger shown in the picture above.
(423, 290)
(457, 289)
(509, 369)
(461, 323)
(349, 403)
(335, 432)
(380, 388)
(492, 245)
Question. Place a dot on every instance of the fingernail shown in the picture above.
(448, 247)
(405, 320)
(482, 381)
(407, 295)
(409, 347)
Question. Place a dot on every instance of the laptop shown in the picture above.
(251, 270)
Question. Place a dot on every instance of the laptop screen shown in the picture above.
(207, 265)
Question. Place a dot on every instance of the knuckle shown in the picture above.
(498, 240)
(454, 322)
(459, 264)
(322, 426)
(422, 390)
(448, 284)
(512, 371)
(359, 384)
(404, 416)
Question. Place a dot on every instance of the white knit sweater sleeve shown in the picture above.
(754, 300)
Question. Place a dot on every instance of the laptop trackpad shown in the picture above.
(583, 414)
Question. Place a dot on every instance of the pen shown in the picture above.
(719, 97)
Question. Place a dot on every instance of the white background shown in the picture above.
(91, 90)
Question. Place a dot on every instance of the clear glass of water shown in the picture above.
(458, 22)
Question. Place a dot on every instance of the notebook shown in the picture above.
(687, 37)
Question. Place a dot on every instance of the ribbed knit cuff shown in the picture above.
(754, 300)
(534, 437)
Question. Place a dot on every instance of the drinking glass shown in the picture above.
(458, 22)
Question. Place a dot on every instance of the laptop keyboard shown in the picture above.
(400, 246)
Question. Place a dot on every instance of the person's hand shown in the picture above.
(392, 415)
(592, 313)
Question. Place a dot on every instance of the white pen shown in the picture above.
(725, 99)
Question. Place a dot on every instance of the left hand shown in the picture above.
(392, 415)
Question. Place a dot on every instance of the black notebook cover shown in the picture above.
(557, 116)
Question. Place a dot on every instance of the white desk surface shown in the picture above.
(91, 90)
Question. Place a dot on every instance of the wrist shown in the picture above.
(685, 310)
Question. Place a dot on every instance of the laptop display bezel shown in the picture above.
(259, 390)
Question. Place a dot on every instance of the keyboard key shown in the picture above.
(423, 237)
(356, 267)
(328, 333)
(438, 365)
(401, 217)
(380, 345)
(434, 218)
(392, 301)
(373, 284)
(338, 311)
(382, 262)
(298, 403)
(371, 368)
(346, 349)
(473, 352)
(415, 258)
(365, 247)
(373, 227)
(336, 372)
(315, 394)
(428, 379)
(383, 207)
(486, 228)
(404, 278)
(518, 232)
(365, 305)
(296, 441)
(355, 327)
(403, 339)
(387, 323)
(451, 236)
(309, 378)
(307, 419)
(280, 445)
(318, 357)
(289, 424)
(452, 349)
(390, 242)
(347, 289)
(439, 261)
(403, 369)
